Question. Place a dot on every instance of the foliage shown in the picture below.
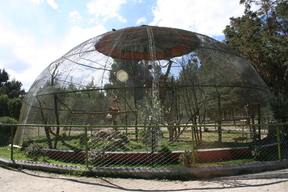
(8, 120)
(261, 36)
(257, 152)
(35, 152)
(166, 155)
(186, 158)
(96, 156)
(4, 105)
(18, 154)
(5, 131)
(14, 107)
(4, 77)
(183, 142)
(11, 96)
(263, 154)
(164, 149)
(112, 141)
(279, 107)
(134, 146)
(105, 141)
(11, 88)
(150, 113)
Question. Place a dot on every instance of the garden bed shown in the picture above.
(203, 155)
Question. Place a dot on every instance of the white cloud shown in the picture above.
(35, 53)
(205, 16)
(26, 51)
(52, 4)
(75, 16)
(91, 21)
(37, 1)
(141, 20)
(22, 49)
(106, 9)
(78, 35)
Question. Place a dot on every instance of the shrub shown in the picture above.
(35, 152)
(97, 156)
(279, 107)
(257, 152)
(186, 158)
(7, 120)
(166, 157)
(5, 130)
(262, 154)
(109, 141)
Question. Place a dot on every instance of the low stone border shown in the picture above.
(209, 155)
(152, 173)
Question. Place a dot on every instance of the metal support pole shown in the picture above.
(279, 143)
(86, 146)
(12, 142)
(193, 147)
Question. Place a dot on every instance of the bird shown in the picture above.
(113, 29)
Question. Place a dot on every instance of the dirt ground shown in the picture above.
(29, 181)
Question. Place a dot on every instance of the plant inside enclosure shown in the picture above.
(35, 152)
(186, 158)
(260, 153)
(151, 114)
(97, 156)
(109, 140)
(166, 154)
(103, 141)
(257, 152)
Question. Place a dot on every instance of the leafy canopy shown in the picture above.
(261, 36)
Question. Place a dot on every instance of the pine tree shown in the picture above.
(261, 37)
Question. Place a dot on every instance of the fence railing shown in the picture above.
(145, 146)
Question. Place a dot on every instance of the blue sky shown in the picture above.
(34, 33)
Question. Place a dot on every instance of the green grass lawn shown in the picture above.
(184, 142)
(18, 154)
(5, 152)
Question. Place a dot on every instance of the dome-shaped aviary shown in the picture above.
(146, 74)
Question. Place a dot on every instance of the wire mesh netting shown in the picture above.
(148, 96)
(119, 147)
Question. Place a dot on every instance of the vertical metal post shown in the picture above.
(153, 147)
(193, 147)
(279, 143)
(12, 142)
(86, 146)
(259, 120)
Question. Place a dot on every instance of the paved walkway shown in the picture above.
(30, 181)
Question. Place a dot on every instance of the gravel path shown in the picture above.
(29, 181)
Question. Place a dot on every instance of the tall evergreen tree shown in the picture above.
(261, 37)
(10, 96)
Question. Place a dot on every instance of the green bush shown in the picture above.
(166, 155)
(257, 153)
(96, 157)
(35, 152)
(5, 130)
(186, 158)
(262, 154)
(279, 107)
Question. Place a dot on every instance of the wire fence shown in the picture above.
(145, 146)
